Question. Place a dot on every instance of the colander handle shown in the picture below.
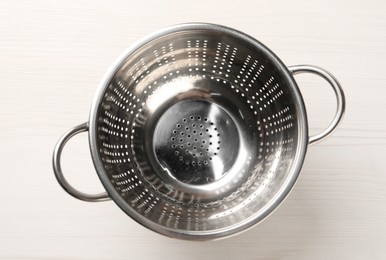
(341, 104)
(58, 169)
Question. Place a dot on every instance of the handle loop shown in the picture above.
(58, 170)
(341, 103)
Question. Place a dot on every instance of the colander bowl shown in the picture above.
(198, 131)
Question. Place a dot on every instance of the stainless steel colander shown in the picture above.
(198, 131)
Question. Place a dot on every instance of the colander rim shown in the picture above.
(237, 227)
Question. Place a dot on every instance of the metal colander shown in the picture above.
(198, 131)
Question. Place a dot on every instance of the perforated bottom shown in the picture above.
(188, 142)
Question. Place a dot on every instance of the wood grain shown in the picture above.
(52, 56)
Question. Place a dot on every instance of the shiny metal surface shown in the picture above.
(192, 70)
(187, 142)
(198, 131)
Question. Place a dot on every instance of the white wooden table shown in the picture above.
(52, 56)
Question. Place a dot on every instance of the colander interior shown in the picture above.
(199, 132)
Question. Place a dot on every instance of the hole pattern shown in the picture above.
(224, 59)
(195, 141)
